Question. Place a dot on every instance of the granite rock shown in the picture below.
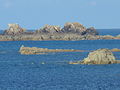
(100, 56)
(49, 29)
(14, 29)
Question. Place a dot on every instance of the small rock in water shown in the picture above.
(100, 56)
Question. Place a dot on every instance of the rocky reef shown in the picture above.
(70, 31)
(100, 56)
(35, 50)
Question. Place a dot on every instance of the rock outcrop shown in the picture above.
(100, 56)
(70, 28)
(91, 31)
(49, 29)
(70, 31)
(14, 29)
(35, 50)
(74, 28)
(79, 29)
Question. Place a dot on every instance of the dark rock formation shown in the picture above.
(14, 29)
(49, 29)
(91, 31)
(100, 56)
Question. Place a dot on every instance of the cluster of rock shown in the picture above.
(35, 50)
(70, 31)
(100, 56)
(14, 29)
(74, 28)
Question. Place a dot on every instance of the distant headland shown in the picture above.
(70, 31)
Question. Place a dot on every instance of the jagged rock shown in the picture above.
(49, 29)
(74, 28)
(100, 56)
(35, 50)
(14, 29)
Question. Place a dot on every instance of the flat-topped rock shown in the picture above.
(14, 29)
(100, 56)
(35, 50)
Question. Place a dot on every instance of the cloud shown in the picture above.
(93, 3)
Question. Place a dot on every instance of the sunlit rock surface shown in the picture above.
(14, 29)
(79, 29)
(100, 56)
(49, 29)
(70, 31)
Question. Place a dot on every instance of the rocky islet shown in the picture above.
(70, 31)
(100, 56)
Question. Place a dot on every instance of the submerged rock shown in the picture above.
(14, 29)
(35, 50)
(100, 56)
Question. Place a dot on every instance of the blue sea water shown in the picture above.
(26, 72)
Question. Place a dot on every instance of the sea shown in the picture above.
(52, 72)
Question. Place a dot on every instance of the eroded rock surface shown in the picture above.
(14, 29)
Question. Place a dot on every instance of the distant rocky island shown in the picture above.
(70, 31)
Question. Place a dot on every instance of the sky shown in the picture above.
(33, 14)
